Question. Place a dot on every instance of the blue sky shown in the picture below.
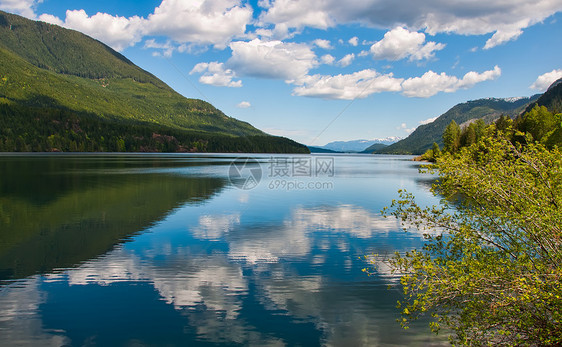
(327, 70)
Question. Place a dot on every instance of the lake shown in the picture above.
(198, 249)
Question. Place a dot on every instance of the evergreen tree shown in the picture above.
(538, 122)
(468, 135)
(451, 137)
(503, 123)
(436, 150)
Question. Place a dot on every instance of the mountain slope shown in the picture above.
(45, 63)
(551, 99)
(489, 109)
(66, 51)
(375, 147)
(348, 146)
(46, 67)
(358, 145)
(321, 150)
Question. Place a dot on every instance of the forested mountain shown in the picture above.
(358, 146)
(488, 109)
(540, 123)
(90, 97)
(551, 99)
(375, 147)
(321, 150)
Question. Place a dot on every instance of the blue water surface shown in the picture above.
(181, 250)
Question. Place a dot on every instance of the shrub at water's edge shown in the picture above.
(491, 267)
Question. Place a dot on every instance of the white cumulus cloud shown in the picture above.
(49, 18)
(354, 41)
(218, 22)
(216, 74)
(357, 85)
(545, 80)
(400, 43)
(326, 44)
(203, 22)
(117, 32)
(244, 104)
(166, 48)
(363, 83)
(272, 59)
(432, 83)
(214, 22)
(25, 8)
(427, 121)
(502, 36)
(405, 128)
(347, 60)
(295, 14)
(328, 59)
(505, 19)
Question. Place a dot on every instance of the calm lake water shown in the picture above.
(202, 250)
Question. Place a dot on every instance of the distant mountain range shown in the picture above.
(419, 141)
(61, 90)
(488, 109)
(354, 146)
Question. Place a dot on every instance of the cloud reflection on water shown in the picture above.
(209, 289)
(251, 268)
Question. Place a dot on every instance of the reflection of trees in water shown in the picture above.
(286, 272)
(91, 214)
(425, 183)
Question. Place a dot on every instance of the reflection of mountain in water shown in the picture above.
(256, 268)
(92, 213)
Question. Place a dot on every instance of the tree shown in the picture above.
(491, 269)
(451, 137)
(468, 136)
(480, 128)
(431, 154)
(503, 123)
(538, 122)
(436, 150)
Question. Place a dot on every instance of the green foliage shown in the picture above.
(436, 150)
(41, 129)
(486, 109)
(538, 122)
(492, 265)
(432, 154)
(62, 77)
(551, 99)
(112, 98)
(472, 133)
(539, 125)
(452, 137)
(504, 123)
(68, 52)
(375, 147)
